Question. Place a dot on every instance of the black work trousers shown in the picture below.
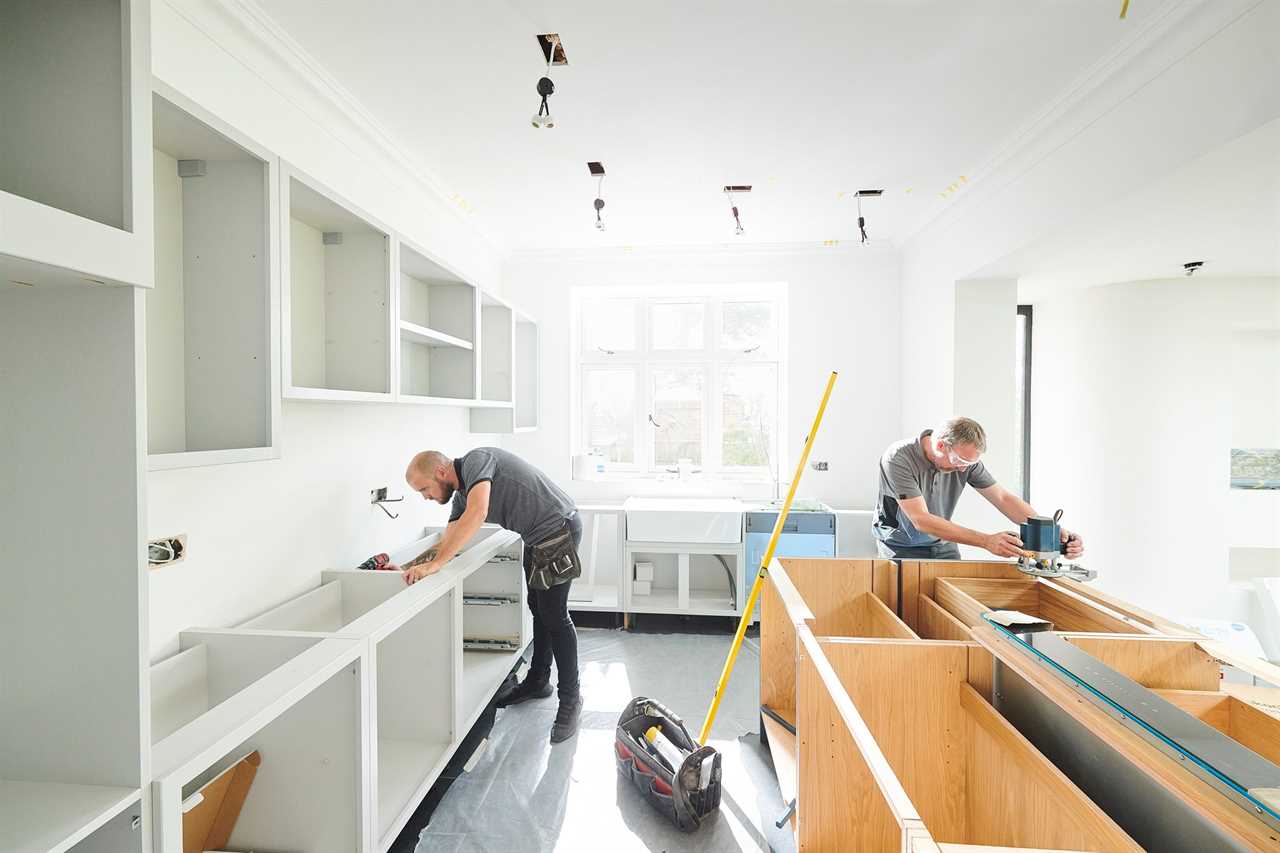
(554, 635)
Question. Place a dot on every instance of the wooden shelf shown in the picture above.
(36, 817)
(414, 333)
(482, 674)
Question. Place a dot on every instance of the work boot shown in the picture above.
(566, 724)
(533, 687)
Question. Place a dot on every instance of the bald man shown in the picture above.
(493, 485)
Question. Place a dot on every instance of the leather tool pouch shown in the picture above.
(554, 561)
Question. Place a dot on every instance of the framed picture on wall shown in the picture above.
(1255, 468)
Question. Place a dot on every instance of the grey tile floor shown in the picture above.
(526, 795)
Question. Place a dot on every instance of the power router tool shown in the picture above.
(1043, 550)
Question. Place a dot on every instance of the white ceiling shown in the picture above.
(1222, 208)
(803, 100)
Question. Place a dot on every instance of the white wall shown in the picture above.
(843, 314)
(260, 532)
(985, 357)
(1122, 127)
(1132, 426)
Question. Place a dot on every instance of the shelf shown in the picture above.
(482, 673)
(414, 333)
(36, 817)
(307, 720)
(604, 598)
(75, 206)
(701, 603)
(211, 343)
(337, 314)
(406, 769)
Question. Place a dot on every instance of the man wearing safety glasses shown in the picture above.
(920, 484)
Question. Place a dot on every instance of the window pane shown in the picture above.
(744, 325)
(1020, 398)
(749, 397)
(609, 412)
(609, 324)
(677, 415)
(677, 325)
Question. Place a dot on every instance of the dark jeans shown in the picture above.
(554, 635)
(941, 551)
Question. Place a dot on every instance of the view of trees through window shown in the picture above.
(665, 380)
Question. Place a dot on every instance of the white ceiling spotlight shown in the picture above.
(862, 222)
(553, 51)
(733, 205)
(597, 171)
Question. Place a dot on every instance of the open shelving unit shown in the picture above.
(338, 328)
(494, 609)
(437, 331)
(688, 579)
(73, 633)
(211, 317)
(305, 718)
(75, 142)
(510, 371)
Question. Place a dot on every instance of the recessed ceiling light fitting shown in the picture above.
(597, 171)
(1192, 267)
(733, 205)
(546, 88)
(862, 222)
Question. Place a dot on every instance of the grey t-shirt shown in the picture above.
(905, 472)
(521, 498)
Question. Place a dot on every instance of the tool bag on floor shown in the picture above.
(685, 794)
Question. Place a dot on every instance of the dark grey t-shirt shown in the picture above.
(521, 498)
(905, 472)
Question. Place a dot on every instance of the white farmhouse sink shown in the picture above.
(697, 520)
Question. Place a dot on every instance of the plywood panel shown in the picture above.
(1016, 796)
(853, 814)
(880, 621)
(965, 608)
(782, 749)
(1211, 707)
(1255, 729)
(1159, 623)
(907, 694)
(357, 313)
(306, 304)
(780, 609)
(1071, 612)
(981, 667)
(1155, 662)
(918, 577)
(1001, 593)
(935, 623)
(830, 589)
(166, 324)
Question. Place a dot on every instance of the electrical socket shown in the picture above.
(166, 551)
(820, 465)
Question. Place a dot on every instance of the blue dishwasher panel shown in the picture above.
(806, 534)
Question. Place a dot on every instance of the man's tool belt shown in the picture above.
(554, 561)
(677, 792)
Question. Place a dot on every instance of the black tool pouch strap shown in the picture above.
(553, 561)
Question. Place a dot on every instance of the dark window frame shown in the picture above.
(1026, 311)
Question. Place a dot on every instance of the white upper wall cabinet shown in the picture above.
(75, 142)
(212, 317)
(437, 331)
(510, 372)
(338, 331)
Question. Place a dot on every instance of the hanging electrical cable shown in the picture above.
(862, 222)
(733, 205)
(546, 88)
(597, 170)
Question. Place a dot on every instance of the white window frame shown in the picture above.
(712, 359)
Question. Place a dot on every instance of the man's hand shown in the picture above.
(1003, 545)
(413, 574)
(1074, 543)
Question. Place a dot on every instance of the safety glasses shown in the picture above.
(958, 460)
